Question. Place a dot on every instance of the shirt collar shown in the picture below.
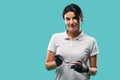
(66, 36)
(77, 38)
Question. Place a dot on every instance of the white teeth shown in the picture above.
(73, 25)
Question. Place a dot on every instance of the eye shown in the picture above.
(67, 18)
(75, 18)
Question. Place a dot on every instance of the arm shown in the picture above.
(93, 65)
(50, 62)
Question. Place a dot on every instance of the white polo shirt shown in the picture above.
(81, 48)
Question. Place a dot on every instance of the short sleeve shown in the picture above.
(52, 42)
(94, 48)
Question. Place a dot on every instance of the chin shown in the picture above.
(72, 30)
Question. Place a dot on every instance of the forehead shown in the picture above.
(69, 14)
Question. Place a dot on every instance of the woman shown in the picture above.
(69, 51)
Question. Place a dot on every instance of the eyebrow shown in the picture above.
(67, 18)
(72, 17)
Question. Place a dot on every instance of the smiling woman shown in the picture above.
(69, 51)
(71, 22)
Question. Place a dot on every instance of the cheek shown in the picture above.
(66, 22)
(75, 21)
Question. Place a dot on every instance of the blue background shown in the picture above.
(27, 25)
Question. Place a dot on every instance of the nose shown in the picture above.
(71, 21)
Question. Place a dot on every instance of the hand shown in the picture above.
(80, 67)
(58, 60)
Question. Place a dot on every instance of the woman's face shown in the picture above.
(71, 21)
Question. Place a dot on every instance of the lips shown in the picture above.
(73, 25)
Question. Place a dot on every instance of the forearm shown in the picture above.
(93, 65)
(51, 65)
(92, 71)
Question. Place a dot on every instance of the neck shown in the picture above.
(72, 35)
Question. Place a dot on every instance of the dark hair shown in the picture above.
(74, 8)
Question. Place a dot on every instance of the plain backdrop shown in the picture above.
(26, 27)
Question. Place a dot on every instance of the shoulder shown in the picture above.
(57, 35)
(89, 38)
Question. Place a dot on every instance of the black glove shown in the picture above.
(81, 68)
(58, 59)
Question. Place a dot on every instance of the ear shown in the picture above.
(81, 17)
(80, 20)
